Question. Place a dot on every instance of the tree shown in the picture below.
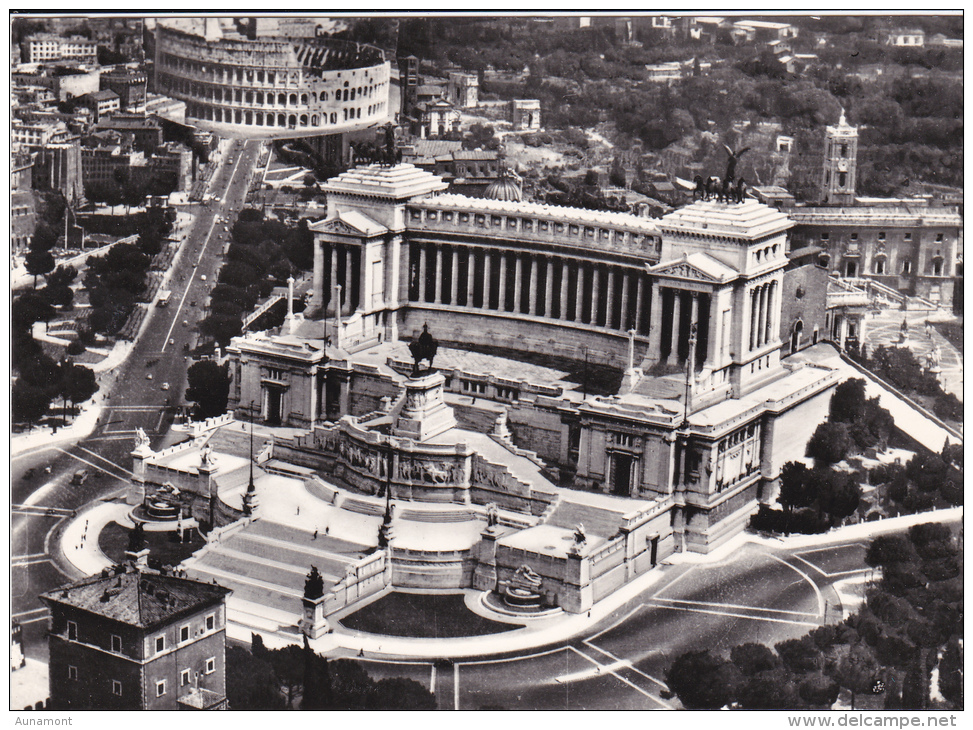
(28, 308)
(951, 672)
(794, 478)
(887, 550)
(856, 671)
(38, 262)
(616, 176)
(209, 388)
(251, 683)
(848, 401)
(752, 658)
(830, 443)
(317, 681)
(401, 693)
(769, 690)
(28, 403)
(800, 655)
(77, 383)
(703, 681)
(838, 494)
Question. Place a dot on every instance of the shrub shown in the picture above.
(830, 443)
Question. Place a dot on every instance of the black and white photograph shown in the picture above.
(487, 361)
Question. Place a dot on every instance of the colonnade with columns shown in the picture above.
(522, 282)
(338, 265)
(764, 314)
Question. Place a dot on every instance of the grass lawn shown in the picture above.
(422, 616)
(164, 549)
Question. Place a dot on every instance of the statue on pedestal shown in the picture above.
(141, 439)
(313, 585)
(424, 348)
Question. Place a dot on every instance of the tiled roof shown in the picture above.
(137, 599)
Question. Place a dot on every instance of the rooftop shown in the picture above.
(567, 214)
(750, 220)
(397, 182)
(138, 599)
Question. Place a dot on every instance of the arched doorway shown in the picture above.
(796, 335)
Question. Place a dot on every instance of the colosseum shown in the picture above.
(237, 83)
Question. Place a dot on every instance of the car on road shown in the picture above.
(148, 376)
(203, 277)
(80, 477)
(165, 386)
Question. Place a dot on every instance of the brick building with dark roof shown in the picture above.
(136, 640)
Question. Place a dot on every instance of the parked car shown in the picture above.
(80, 477)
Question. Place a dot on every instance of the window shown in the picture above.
(939, 238)
(825, 235)
(183, 677)
(72, 672)
(160, 688)
(854, 236)
(183, 633)
(906, 267)
(116, 643)
(881, 235)
(275, 374)
(210, 665)
(160, 643)
(908, 236)
(880, 265)
(937, 267)
(210, 623)
(116, 687)
(72, 631)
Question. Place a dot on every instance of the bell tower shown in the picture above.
(840, 163)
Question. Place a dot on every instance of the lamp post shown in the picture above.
(249, 498)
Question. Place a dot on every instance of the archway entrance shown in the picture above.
(622, 469)
(274, 402)
(796, 335)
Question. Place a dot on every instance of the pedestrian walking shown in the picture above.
(315, 535)
(298, 509)
(327, 530)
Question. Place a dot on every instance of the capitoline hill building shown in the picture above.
(687, 307)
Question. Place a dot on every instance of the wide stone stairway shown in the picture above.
(265, 565)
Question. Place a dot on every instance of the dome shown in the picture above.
(505, 189)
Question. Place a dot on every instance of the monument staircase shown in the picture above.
(266, 565)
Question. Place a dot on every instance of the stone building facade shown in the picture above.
(699, 292)
(131, 640)
(270, 87)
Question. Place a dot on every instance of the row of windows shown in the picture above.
(766, 252)
(907, 236)
(260, 119)
(528, 225)
(160, 641)
(160, 685)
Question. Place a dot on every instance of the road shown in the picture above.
(40, 504)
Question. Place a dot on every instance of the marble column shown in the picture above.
(334, 304)
(502, 299)
(655, 319)
(624, 321)
(610, 299)
(562, 312)
(487, 260)
(470, 275)
(694, 320)
(771, 312)
(753, 318)
(348, 290)
(549, 288)
(639, 296)
(518, 280)
(453, 275)
(595, 291)
(532, 285)
(676, 321)
(317, 300)
(439, 275)
(762, 316)
(579, 298)
(422, 271)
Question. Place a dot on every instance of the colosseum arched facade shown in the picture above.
(272, 87)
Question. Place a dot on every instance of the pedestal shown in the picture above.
(139, 559)
(425, 413)
(313, 624)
